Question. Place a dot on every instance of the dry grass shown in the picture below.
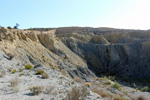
(15, 89)
(102, 92)
(20, 69)
(2, 73)
(36, 90)
(141, 97)
(14, 82)
(39, 72)
(45, 75)
(49, 89)
(118, 97)
(77, 93)
(87, 84)
(78, 79)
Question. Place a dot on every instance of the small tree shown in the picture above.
(16, 26)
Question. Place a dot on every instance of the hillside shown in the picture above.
(68, 63)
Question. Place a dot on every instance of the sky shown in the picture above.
(124, 14)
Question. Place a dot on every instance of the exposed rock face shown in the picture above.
(42, 48)
(125, 54)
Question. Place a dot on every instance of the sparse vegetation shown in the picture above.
(116, 85)
(36, 90)
(14, 71)
(39, 72)
(77, 93)
(87, 84)
(15, 89)
(119, 97)
(20, 69)
(28, 66)
(63, 72)
(2, 73)
(144, 89)
(49, 89)
(14, 82)
(45, 75)
(53, 67)
(78, 79)
(102, 92)
(141, 97)
(9, 27)
(21, 74)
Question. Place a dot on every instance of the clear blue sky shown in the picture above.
(62, 13)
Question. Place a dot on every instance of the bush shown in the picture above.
(77, 93)
(15, 89)
(21, 74)
(78, 79)
(87, 84)
(14, 82)
(20, 69)
(36, 90)
(144, 89)
(14, 71)
(116, 85)
(63, 72)
(45, 75)
(49, 89)
(141, 97)
(102, 92)
(28, 66)
(53, 67)
(9, 27)
(118, 97)
(2, 73)
(39, 72)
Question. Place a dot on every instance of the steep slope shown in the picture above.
(42, 48)
(124, 54)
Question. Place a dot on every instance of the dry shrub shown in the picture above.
(77, 93)
(10, 56)
(14, 82)
(141, 97)
(39, 72)
(2, 73)
(15, 89)
(36, 90)
(49, 89)
(45, 75)
(87, 84)
(118, 97)
(101, 92)
(20, 69)
(78, 79)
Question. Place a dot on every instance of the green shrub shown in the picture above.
(14, 71)
(53, 67)
(20, 69)
(63, 72)
(134, 85)
(36, 90)
(144, 89)
(45, 75)
(28, 66)
(21, 74)
(39, 72)
(116, 85)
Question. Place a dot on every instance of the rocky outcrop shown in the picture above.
(42, 48)
(125, 55)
